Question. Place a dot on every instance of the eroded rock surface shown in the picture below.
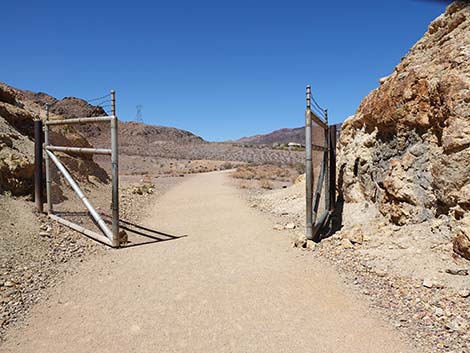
(17, 113)
(407, 148)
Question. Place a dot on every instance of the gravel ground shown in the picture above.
(37, 253)
(433, 313)
(436, 318)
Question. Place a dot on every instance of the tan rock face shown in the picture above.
(16, 154)
(407, 148)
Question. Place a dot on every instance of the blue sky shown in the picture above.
(221, 69)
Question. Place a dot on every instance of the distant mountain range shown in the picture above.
(285, 135)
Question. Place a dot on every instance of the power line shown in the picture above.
(97, 99)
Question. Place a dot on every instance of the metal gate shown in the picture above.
(320, 172)
(110, 236)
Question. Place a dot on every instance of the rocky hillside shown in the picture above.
(70, 107)
(278, 136)
(152, 149)
(18, 109)
(407, 148)
(137, 139)
(285, 135)
(134, 136)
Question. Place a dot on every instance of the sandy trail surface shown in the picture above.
(232, 284)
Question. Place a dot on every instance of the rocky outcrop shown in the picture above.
(407, 148)
(17, 112)
(69, 107)
(16, 160)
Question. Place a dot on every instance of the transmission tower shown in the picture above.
(138, 114)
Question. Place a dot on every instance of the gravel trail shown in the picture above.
(231, 284)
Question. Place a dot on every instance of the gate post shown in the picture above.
(332, 147)
(48, 164)
(327, 163)
(38, 176)
(114, 174)
(308, 168)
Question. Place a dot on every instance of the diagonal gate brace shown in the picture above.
(101, 223)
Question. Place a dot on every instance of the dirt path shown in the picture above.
(232, 285)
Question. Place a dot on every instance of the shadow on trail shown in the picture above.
(154, 236)
(72, 213)
(137, 235)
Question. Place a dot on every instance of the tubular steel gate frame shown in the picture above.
(111, 236)
(315, 226)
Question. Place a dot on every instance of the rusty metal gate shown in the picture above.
(109, 236)
(320, 169)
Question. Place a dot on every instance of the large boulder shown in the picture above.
(407, 146)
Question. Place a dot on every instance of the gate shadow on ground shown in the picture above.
(137, 235)
(137, 232)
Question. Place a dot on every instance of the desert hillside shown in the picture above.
(286, 135)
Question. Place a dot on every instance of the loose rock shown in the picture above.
(458, 272)
(44, 234)
(427, 283)
(310, 245)
(290, 226)
(346, 244)
(439, 312)
(461, 245)
(464, 293)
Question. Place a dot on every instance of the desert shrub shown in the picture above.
(266, 172)
(243, 172)
(243, 185)
(265, 184)
(226, 165)
(299, 167)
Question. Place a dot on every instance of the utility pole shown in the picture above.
(138, 114)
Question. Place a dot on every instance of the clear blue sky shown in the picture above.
(221, 69)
